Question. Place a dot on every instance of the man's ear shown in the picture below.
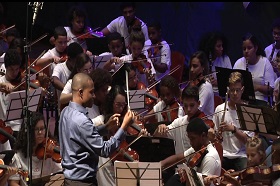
(81, 92)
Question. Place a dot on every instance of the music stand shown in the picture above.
(55, 179)
(151, 127)
(101, 60)
(17, 102)
(222, 79)
(7, 156)
(137, 99)
(259, 119)
(138, 173)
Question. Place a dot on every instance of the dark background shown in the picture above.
(183, 23)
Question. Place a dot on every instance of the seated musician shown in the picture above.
(40, 167)
(255, 150)
(11, 79)
(177, 129)
(206, 163)
(168, 108)
(198, 71)
(58, 53)
(145, 68)
(234, 139)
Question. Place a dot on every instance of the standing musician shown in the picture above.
(205, 161)
(272, 49)
(156, 46)
(126, 23)
(234, 139)
(80, 143)
(198, 71)
(12, 61)
(168, 108)
(76, 28)
(40, 166)
(58, 53)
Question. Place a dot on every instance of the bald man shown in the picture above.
(80, 142)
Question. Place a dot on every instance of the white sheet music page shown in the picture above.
(146, 173)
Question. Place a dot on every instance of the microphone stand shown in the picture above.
(26, 112)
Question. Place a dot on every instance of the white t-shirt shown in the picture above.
(51, 53)
(206, 98)
(67, 88)
(232, 146)
(20, 162)
(165, 56)
(160, 106)
(268, 53)
(119, 25)
(4, 103)
(222, 61)
(182, 142)
(73, 38)
(211, 163)
(262, 73)
(62, 72)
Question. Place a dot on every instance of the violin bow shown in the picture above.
(77, 37)
(120, 151)
(7, 29)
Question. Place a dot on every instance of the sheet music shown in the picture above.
(16, 102)
(137, 99)
(101, 60)
(146, 173)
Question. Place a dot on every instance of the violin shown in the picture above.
(8, 129)
(89, 33)
(197, 157)
(49, 149)
(154, 50)
(141, 63)
(4, 167)
(172, 112)
(135, 25)
(127, 154)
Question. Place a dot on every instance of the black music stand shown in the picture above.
(138, 173)
(223, 76)
(17, 102)
(7, 156)
(259, 119)
(152, 127)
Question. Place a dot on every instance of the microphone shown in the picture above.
(36, 7)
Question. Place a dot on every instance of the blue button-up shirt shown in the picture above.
(81, 144)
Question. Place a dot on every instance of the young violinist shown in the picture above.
(234, 139)
(12, 61)
(62, 71)
(126, 23)
(158, 49)
(177, 129)
(145, 69)
(83, 64)
(168, 108)
(81, 144)
(202, 156)
(276, 83)
(40, 167)
(58, 53)
(198, 70)
(102, 84)
(6, 174)
(76, 28)
(8, 37)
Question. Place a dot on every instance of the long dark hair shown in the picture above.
(81, 60)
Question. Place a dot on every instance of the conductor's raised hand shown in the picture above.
(128, 119)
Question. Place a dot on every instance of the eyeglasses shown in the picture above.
(237, 90)
(119, 104)
(38, 130)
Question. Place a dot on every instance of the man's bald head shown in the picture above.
(80, 81)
